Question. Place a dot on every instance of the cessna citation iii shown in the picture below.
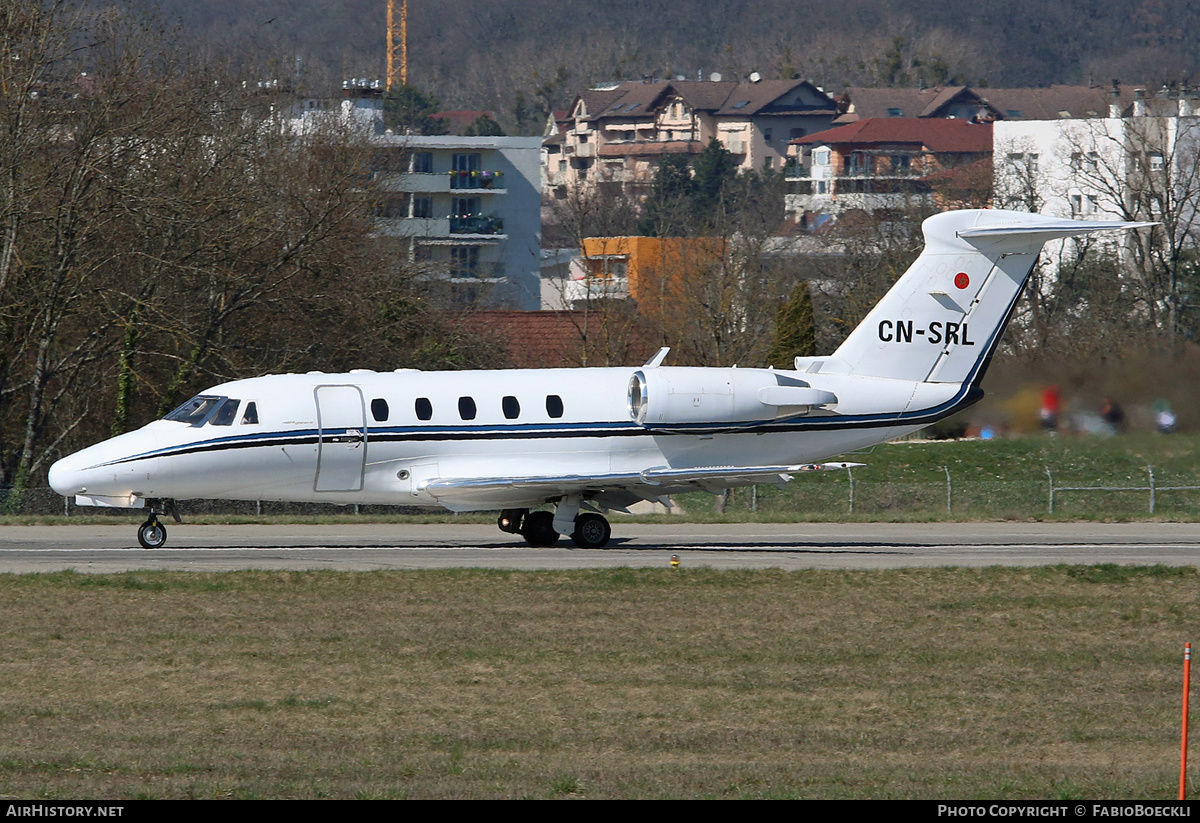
(584, 441)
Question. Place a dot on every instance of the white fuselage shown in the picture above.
(369, 437)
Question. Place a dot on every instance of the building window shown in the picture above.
(422, 207)
(392, 206)
(767, 135)
(422, 162)
(464, 261)
(512, 408)
(423, 408)
(465, 206)
(1156, 162)
(466, 408)
(466, 162)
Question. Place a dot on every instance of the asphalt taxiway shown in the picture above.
(103, 549)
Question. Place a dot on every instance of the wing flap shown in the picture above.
(704, 476)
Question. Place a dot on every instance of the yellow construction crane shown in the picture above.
(391, 44)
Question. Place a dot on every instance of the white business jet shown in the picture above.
(584, 441)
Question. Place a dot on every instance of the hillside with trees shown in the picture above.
(522, 58)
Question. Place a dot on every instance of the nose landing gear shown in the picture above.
(153, 534)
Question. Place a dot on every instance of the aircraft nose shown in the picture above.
(67, 477)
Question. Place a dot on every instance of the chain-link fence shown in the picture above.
(943, 494)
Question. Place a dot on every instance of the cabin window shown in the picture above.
(466, 408)
(194, 411)
(379, 410)
(250, 415)
(512, 408)
(424, 408)
(226, 414)
(554, 405)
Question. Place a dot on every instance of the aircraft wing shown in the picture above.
(648, 484)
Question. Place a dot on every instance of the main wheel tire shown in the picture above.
(538, 529)
(152, 534)
(591, 531)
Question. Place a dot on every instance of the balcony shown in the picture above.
(416, 183)
(796, 171)
(412, 227)
(476, 224)
(478, 179)
(576, 292)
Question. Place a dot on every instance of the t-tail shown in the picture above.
(941, 321)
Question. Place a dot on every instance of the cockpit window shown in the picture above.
(225, 414)
(250, 415)
(194, 411)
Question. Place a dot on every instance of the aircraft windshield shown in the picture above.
(194, 411)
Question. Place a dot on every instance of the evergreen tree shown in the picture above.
(795, 333)
(715, 170)
(408, 109)
(484, 126)
(666, 210)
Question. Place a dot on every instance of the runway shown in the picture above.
(106, 549)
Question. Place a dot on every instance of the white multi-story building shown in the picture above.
(468, 208)
(472, 210)
(1140, 162)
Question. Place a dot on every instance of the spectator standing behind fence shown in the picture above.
(1112, 414)
(1164, 418)
(1050, 409)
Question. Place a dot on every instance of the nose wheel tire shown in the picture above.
(538, 529)
(152, 534)
(591, 531)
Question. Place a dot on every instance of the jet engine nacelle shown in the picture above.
(710, 398)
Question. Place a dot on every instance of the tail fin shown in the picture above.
(942, 319)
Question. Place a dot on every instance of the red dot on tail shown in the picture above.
(961, 280)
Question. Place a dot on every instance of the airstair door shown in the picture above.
(342, 440)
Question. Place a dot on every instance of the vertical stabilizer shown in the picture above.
(944, 316)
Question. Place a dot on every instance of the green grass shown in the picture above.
(989, 480)
(1058, 682)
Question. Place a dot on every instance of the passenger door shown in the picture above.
(342, 440)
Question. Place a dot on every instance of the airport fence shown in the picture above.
(940, 493)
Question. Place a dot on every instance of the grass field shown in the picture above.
(998, 683)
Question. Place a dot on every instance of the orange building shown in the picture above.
(656, 269)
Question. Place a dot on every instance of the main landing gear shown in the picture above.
(542, 528)
(153, 534)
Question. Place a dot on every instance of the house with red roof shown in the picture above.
(880, 165)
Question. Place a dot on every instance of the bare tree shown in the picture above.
(1147, 168)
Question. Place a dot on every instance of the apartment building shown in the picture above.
(615, 135)
(470, 207)
(880, 165)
